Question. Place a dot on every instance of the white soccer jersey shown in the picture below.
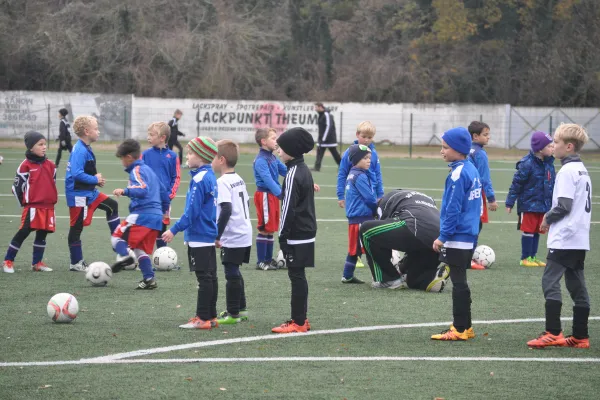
(238, 232)
(573, 231)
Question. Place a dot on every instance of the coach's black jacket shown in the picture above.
(173, 137)
(64, 135)
(327, 134)
(298, 219)
(418, 210)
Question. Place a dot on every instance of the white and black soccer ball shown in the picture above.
(63, 308)
(484, 255)
(130, 267)
(98, 273)
(164, 259)
(280, 260)
(396, 258)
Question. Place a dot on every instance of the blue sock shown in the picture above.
(536, 244)
(526, 245)
(76, 252)
(350, 266)
(160, 243)
(121, 248)
(146, 266)
(261, 247)
(38, 251)
(269, 249)
(12, 251)
(113, 221)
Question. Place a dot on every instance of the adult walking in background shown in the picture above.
(327, 136)
(175, 133)
(64, 134)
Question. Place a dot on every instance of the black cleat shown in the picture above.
(119, 265)
(147, 284)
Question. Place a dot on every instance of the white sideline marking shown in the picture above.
(122, 358)
(291, 359)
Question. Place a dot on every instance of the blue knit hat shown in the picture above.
(458, 139)
(357, 152)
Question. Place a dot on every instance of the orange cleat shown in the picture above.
(290, 327)
(451, 335)
(9, 267)
(474, 265)
(571, 341)
(197, 323)
(41, 267)
(307, 324)
(546, 339)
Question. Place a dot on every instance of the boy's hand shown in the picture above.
(437, 245)
(316, 187)
(544, 227)
(101, 180)
(118, 192)
(508, 209)
(167, 237)
(342, 203)
(218, 244)
(493, 206)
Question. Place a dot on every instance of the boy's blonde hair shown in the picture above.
(229, 150)
(81, 123)
(572, 133)
(263, 133)
(366, 128)
(161, 128)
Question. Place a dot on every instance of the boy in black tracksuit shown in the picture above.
(175, 133)
(298, 227)
(64, 134)
(327, 136)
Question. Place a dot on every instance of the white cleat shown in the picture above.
(41, 267)
(399, 283)
(81, 266)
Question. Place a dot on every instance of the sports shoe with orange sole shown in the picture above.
(546, 339)
(290, 327)
(451, 335)
(474, 265)
(307, 324)
(9, 267)
(571, 341)
(41, 267)
(470, 332)
(197, 323)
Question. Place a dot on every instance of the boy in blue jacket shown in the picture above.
(365, 132)
(267, 169)
(459, 227)
(165, 164)
(532, 187)
(361, 205)
(199, 223)
(480, 137)
(149, 201)
(82, 196)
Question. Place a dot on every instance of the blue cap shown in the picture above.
(458, 139)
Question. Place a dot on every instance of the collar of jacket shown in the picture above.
(265, 152)
(456, 163)
(205, 167)
(475, 144)
(34, 158)
(568, 159)
(361, 170)
(295, 161)
(133, 165)
(160, 150)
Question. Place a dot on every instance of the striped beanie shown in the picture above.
(205, 148)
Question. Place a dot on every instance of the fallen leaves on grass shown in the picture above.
(223, 389)
(45, 386)
(189, 379)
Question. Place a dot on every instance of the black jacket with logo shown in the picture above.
(298, 218)
(327, 134)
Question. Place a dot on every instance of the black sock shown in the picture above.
(233, 289)
(580, 322)
(553, 308)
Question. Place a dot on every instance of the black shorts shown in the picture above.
(456, 257)
(573, 259)
(235, 255)
(202, 258)
(300, 255)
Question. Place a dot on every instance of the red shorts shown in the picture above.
(137, 236)
(484, 210)
(88, 211)
(40, 219)
(531, 222)
(354, 246)
(267, 211)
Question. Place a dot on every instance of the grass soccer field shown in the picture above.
(364, 343)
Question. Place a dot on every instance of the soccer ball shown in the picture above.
(132, 266)
(98, 273)
(484, 255)
(63, 307)
(164, 259)
(280, 260)
(396, 257)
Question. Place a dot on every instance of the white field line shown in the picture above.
(121, 357)
(297, 359)
(254, 219)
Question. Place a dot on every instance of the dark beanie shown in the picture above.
(64, 112)
(31, 138)
(296, 142)
(539, 140)
(357, 152)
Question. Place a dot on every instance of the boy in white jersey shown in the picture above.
(234, 236)
(568, 240)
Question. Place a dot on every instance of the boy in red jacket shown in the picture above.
(35, 189)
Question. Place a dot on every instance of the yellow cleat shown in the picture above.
(359, 263)
(529, 262)
(470, 332)
(539, 262)
(451, 335)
